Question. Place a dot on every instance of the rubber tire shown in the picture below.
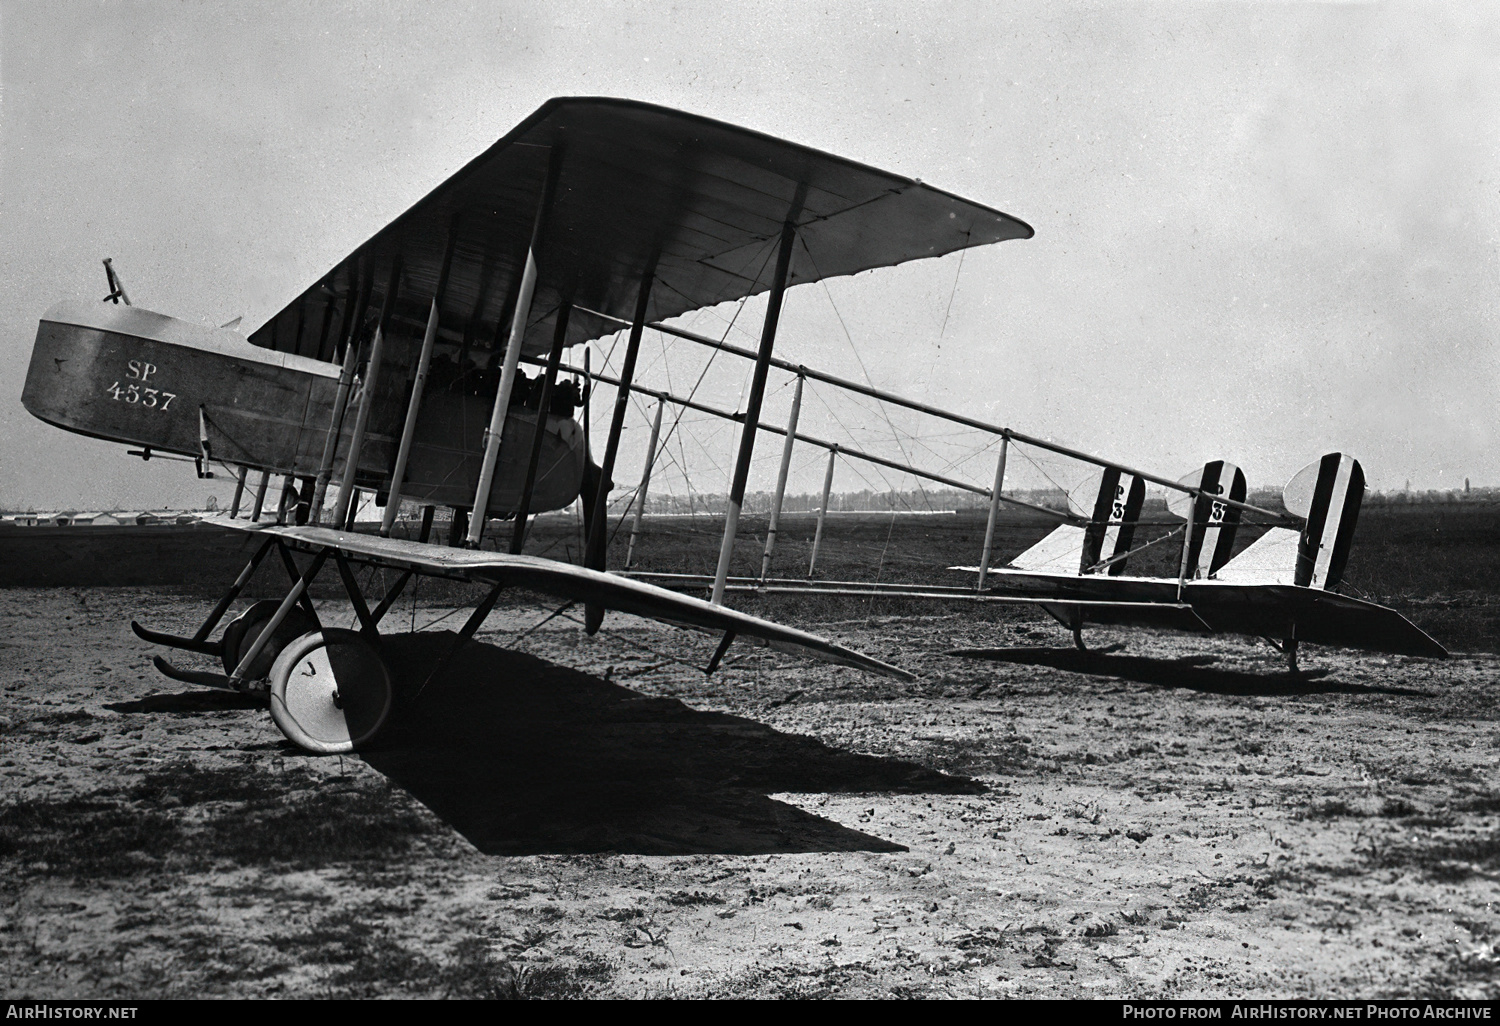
(245, 628)
(342, 663)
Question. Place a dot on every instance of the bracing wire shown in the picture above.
(860, 360)
(961, 254)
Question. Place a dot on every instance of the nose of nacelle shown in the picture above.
(95, 374)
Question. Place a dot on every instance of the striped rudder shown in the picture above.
(1327, 494)
(1214, 524)
(1112, 526)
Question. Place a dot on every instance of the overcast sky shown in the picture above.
(1263, 230)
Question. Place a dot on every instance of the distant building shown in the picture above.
(95, 519)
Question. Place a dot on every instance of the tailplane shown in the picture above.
(1101, 547)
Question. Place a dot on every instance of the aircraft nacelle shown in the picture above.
(129, 375)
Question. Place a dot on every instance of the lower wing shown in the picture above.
(568, 581)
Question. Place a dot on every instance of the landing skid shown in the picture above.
(213, 648)
(203, 678)
(329, 690)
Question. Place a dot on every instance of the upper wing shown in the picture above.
(572, 582)
(634, 179)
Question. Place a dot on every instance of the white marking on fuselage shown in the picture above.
(1327, 542)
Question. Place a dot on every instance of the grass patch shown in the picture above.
(55, 719)
(1331, 808)
(367, 960)
(85, 836)
(1446, 860)
(188, 784)
(194, 819)
(474, 972)
(1008, 754)
(684, 898)
(1489, 803)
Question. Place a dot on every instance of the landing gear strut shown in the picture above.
(329, 689)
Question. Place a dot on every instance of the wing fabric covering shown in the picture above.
(576, 583)
(638, 186)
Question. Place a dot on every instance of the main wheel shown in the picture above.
(330, 691)
(245, 628)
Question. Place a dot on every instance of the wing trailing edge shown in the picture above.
(576, 583)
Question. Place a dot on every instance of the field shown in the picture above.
(562, 816)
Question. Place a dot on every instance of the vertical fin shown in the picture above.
(1218, 523)
(1093, 535)
(1328, 493)
(1214, 524)
(1111, 528)
(1125, 511)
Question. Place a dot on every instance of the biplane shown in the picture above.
(399, 374)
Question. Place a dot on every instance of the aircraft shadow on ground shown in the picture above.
(1191, 672)
(525, 757)
(195, 701)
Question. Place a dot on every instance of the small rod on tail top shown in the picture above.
(833, 455)
(539, 425)
(519, 316)
(786, 466)
(640, 495)
(116, 290)
(343, 510)
(989, 525)
(753, 403)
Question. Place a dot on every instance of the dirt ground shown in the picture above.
(560, 815)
